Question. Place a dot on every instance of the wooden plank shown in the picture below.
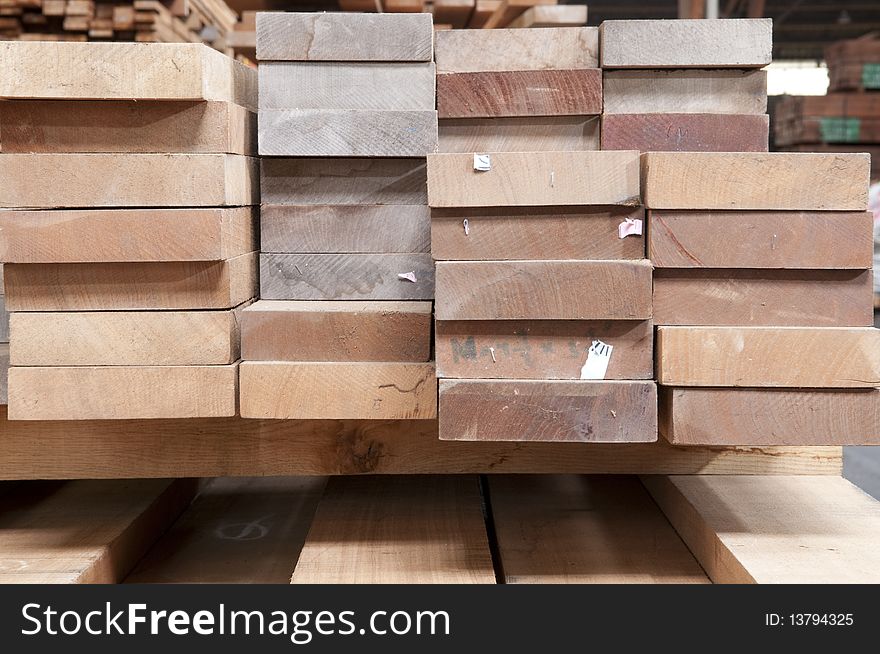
(122, 392)
(543, 290)
(686, 132)
(519, 134)
(86, 532)
(548, 411)
(347, 86)
(123, 71)
(769, 416)
(309, 36)
(131, 286)
(236, 531)
(541, 349)
(127, 126)
(555, 16)
(575, 529)
(738, 180)
(4, 321)
(455, 13)
(766, 239)
(336, 331)
(345, 228)
(733, 43)
(346, 277)
(313, 133)
(117, 235)
(338, 390)
(796, 298)
(534, 233)
(126, 180)
(330, 181)
(124, 338)
(574, 92)
(814, 357)
(534, 179)
(4, 371)
(685, 91)
(510, 9)
(774, 530)
(398, 530)
(482, 10)
(472, 51)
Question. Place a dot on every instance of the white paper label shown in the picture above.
(630, 227)
(410, 276)
(598, 357)
(482, 162)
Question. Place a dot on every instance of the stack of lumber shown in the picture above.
(685, 85)
(854, 65)
(343, 328)
(127, 227)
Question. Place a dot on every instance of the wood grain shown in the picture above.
(528, 134)
(534, 233)
(122, 392)
(403, 530)
(574, 92)
(346, 277)
(796, 298)
(540, 349)
(713, 180)
(119, 235)
(734, 43)
(4, 371)
(331, 181)
(769, 416)
(574, 529)
(686, 132)
(534, 179)
(336, 331)
(126, 180)
(556, 16)
(345, 228)
(548, 411)
(307, 36)
(4, 321)
(796, 530)
(685, 91)
(765, 239)
(338, 390)
(131, 286)
(543, 290)
(796, 357)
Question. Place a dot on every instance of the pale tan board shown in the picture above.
(120, 235)
(795, 357)
(4, 368)
(127, 126)
(123, 71)
(753, 180)
(338, 390)
(84, 532)
(582, 411)
(685, 91)
(122, 392)
(310, 36)
(769, 416)
(764, 239)
(534, 179)
(574, 529)
(236, 531)
(534, 233)
(336, 331)
(454, 13)
(699, 43)
(131, 286)
(402, 530)
(319, 132)
(127, 180)
(556, 16)
(543, 290)
(124, 338)
(519, 134)
(333, 181)
(796, 298)
(347, 86)
(541, 349)
(242, 447)
(469, 51)
(795, 530)
(345, 228)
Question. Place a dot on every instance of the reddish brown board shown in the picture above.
(686, 132)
